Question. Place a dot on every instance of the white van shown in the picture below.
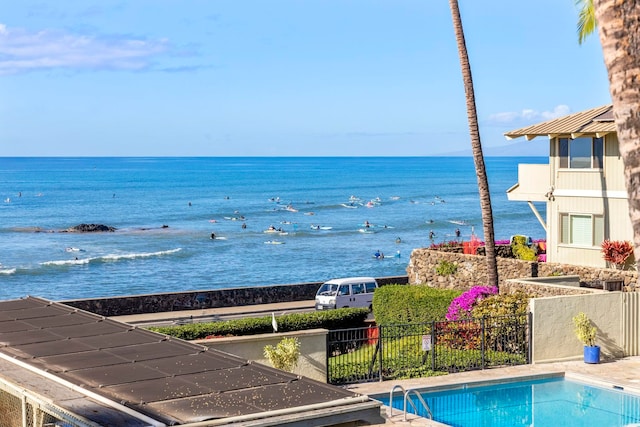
(347, 292)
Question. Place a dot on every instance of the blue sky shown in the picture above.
(284, 77)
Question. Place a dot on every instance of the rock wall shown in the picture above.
(539, 290)
(198, 300)
(472, 270)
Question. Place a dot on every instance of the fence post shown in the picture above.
(327, 350)
(380, 344)
(433, 345)
(482, 341)
(529, 338)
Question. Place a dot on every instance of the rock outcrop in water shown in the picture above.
(90, 228)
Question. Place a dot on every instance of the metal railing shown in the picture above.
(417, 350)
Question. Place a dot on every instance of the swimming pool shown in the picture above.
(549, 401)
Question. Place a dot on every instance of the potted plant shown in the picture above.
(616, 252)
(586, 333)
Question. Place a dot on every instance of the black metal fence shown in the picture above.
(410, 351)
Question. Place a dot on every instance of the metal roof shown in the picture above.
(598, 121)
(166, 379)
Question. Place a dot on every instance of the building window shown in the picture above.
(581, 230)
(581, 153)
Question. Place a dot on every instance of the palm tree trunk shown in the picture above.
(476, 147)
(619, 29)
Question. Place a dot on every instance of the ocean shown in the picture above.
(166, 209)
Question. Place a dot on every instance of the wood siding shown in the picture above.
(587, 191)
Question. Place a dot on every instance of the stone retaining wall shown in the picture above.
(472, 270)
(545, 289)
(198, 300)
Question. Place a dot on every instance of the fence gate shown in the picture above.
(418, 350)
(352, 355)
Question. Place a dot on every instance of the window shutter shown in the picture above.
(598, 230)
(564, 228)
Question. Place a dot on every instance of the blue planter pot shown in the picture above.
(591, 354)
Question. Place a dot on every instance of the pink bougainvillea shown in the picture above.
(461, 306)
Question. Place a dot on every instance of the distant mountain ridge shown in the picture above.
(533, 148)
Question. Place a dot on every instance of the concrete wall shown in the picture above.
(553, 336)
(212, 298)
(472, 270)
(313, 348)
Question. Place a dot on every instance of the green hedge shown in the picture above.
(404, 304)
(329, 319)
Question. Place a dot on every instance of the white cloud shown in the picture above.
(24, 51)
(558, 111)
(528, 115)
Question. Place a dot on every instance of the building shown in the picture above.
(60, 366)
(582, 186)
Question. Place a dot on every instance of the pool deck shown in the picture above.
(620, 372)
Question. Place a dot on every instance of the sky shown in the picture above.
(285, 77)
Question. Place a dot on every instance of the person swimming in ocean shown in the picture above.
(213, 236)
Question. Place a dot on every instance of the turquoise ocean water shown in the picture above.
(402, 198)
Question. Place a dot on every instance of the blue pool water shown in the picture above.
(541, 402)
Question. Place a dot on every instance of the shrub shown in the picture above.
(329, 319)
(403, 304)
(459, 335)
(502, 305)
(445, 245)
(460, 307)
(446, 268)
(521, 249)
(284, 355)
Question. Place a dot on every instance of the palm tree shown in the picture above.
(586, 19)
(476, 147)
(619, 27)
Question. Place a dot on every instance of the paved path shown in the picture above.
(215, 314)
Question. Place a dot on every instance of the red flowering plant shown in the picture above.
(616, 252)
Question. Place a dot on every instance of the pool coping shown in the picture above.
(412, 419)
(620, 374)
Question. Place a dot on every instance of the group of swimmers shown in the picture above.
(432, 234)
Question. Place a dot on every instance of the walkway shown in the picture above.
(214, 314)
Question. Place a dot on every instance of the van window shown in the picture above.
(328, 289)
(357, 288)
(370, 287)
(344, 290)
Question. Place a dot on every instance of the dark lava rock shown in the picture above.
(90, 228)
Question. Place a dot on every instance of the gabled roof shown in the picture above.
(598, 121)
(167, 381)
